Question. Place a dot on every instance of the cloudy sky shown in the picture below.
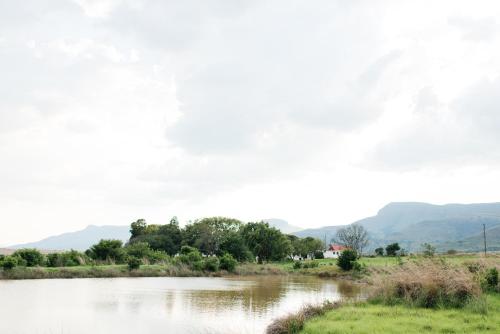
(315, 112)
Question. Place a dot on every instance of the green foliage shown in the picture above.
(310, 264)
(379, 251)
(134, 263)
(319, 255)
(306, 246)
(228, 262)
(347, 259)
(211, 263)
(32, 257)
(392, 249)
(108, 250)
(233, 243)
(138, 228)
(191, 256)
(297, 265)
(267, 243)
(208, 234)
(428, 250)
(490, 281)
(9, 262)
(167, 238)
(67, 259)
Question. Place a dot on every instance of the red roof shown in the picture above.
(337, 248)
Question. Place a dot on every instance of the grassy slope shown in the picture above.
(372, 319)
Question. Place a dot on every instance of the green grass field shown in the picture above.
(367, 318)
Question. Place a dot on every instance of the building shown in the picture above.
(333, 251)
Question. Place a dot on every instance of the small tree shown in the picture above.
(9, 262)
(354, 237)
(392, 249)
(379, 251)
(211, 263)
(347, 259)
(134, 263)
(108, 250)
(428, 250)
(228, 262)
(31, 256)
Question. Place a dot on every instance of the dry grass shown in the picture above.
(294, 323)
(427, 283)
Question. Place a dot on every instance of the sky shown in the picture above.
(316, 112)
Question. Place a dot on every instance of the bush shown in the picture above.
(297, 265)
(134, 263)
(108, 250)
(310, 264)
(392, 249)
(67, 259)
(228, 262)
(9, 262)
(32, 257)
(211, 263)
(451, 252)
(318, 255)
(428, 284)
(491, 279)
(347, 259)
(379, 251)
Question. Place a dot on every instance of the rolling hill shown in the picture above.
(80, 240)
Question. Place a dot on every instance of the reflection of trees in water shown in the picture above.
(264, 293)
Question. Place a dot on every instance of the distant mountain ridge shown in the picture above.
(449, 226)
(80, 240)
(84, 239)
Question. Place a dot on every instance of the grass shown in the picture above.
(414, 295)
(372, 318)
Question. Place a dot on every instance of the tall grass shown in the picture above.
(294, 323)
(427, 283)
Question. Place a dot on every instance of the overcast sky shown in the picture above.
(316, 112)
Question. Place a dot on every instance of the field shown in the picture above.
(368, 318)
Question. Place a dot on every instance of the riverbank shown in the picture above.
(423, 295)
(325, 268)
(370, 318)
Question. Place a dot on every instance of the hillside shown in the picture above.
(80, 240)
(450, 226)
(282, 225)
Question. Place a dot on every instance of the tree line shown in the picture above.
(207, 244)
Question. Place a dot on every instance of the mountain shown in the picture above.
(282, 225)
(450, 226)
(80, 240)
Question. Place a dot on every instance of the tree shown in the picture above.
(429, 250)
(106, 250)
(208, 234)
(267, 243)
(306, 246)
(354, 237)
(392, 249)
(31, 256)
(227, 262)
(347, 259)
(138, 228)
(379, 251)
(9, 262)
(167, 238)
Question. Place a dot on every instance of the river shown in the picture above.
(158, 305)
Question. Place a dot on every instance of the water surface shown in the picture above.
(158, 305)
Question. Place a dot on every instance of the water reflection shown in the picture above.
(160, 305)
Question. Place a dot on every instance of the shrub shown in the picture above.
(451, 252)
(392, 249)
(491, 279)
(32, 257)
(319, 255)
(297, 265)
(427, 284)
(108, 250)
(347, 259)
(310, 264)
(228, 262)
(134, 263)
(211, 263)
(428, 250)
(9, 262)
(379, 251)
(67, 259)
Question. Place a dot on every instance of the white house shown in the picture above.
(333, 251)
